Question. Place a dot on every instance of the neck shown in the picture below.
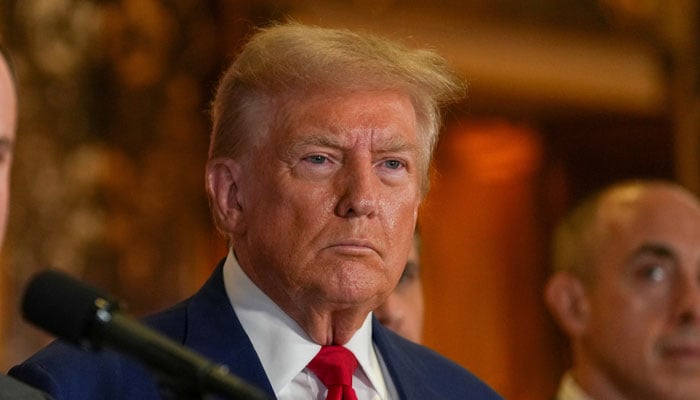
(599, 384)
(595, 386)
(329, 326)
(325, 322)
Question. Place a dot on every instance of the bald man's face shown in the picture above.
(642, 311)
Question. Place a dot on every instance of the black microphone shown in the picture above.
(83, 315)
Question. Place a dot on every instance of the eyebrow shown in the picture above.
(655, 249)
(390, 145)
(313, 140)
(319, 140)
(398, 144)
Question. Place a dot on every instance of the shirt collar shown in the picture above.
(283, 347)
(570, 390)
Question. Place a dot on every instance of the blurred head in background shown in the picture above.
(403, 311)
(8, 124)
(626, 290)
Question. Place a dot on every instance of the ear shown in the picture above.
(223, 180)
(567, 300)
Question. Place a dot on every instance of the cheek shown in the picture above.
(267, 195)
(418, 298)
(628, 319)
(400, 222)
(416, 295)
(413, 308)
(413, 301)
(641, 306)
(305, 199)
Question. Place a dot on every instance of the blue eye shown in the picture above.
(393, 164)
(317, 159)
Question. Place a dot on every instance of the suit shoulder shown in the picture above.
(68, 372)
(418, 368)
(172, 321)
(447, 374)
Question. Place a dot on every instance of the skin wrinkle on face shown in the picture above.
(288, 109)
(350, 216)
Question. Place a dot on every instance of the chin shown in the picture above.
(351, 281)
(684, 388)
(366, 296)
(359, 296)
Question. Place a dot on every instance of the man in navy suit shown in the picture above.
(318, 163)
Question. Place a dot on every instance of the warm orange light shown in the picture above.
(497, 151)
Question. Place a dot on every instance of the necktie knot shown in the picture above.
(334, 366)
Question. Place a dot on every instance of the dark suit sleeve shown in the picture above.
(67, 372)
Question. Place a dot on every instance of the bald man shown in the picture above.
(626, 291)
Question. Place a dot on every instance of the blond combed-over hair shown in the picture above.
(292, 61)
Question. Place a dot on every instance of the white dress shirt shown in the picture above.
(285, 349)
(570, 390)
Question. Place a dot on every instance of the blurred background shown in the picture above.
(565, 96)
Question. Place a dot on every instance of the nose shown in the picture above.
(688, 301)
(359, 187)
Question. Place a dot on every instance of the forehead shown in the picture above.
(659, 215)
(348, 111)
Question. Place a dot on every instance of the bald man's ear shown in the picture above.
(567, 300)
(223, 185)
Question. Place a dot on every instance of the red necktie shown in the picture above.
(334, 366)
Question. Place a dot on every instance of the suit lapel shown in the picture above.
(407, 379)
(213, 330)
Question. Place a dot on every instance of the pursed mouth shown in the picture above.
(684, 348)
(682, 351)
(354, 246)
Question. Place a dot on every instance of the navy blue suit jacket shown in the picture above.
(207, 324)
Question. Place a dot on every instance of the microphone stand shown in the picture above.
(188, 375)
(90, 319)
